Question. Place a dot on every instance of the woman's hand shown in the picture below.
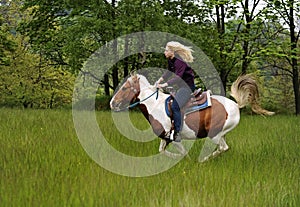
(162, 85)
(159, 81)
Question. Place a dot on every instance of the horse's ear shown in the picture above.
(133, 73)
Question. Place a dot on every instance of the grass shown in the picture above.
(42, 163)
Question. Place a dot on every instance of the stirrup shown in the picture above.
(177, 137)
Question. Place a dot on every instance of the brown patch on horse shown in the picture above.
(208, 122)
(156, 125)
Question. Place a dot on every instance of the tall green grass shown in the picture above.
(43, 164)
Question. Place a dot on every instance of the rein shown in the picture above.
(138, 102)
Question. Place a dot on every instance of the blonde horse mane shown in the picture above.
(183, 51)
(245, 91)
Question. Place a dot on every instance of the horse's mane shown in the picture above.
(146, 84)
(143, 79)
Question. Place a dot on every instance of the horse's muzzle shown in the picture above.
(115, 106)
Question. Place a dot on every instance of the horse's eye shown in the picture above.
(124, 89)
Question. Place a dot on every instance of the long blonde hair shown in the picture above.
(183, 51)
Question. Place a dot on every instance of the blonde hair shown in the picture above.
(184, 52)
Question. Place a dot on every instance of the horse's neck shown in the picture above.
(152, 99)
(146, 90)
(144, 83)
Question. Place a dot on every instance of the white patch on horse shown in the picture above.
(233, 113)
(157, 106)
(186, 132)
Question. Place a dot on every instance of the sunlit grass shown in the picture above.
(43, 164)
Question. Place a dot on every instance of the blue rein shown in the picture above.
(138, 102)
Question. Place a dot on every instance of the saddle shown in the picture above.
(199, 100)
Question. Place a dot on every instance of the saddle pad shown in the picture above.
(198, 108)
(191, 109)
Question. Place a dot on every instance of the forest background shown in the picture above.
(44, 44)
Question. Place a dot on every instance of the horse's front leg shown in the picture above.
(163, 145)
(179, 146)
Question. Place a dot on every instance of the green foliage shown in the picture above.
(6, 45)
(29, 83)
(278, 95)
(65, 33)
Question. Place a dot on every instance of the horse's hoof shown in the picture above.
(205, 159)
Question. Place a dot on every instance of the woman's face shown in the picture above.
(169, 53)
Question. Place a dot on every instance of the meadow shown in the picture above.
(42, 163)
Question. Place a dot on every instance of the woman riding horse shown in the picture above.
(181, 76)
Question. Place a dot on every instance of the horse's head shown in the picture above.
(126, 94)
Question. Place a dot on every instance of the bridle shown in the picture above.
(140, 101)
(136, 92)
(131, 89)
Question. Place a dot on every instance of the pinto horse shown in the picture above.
(214, 122)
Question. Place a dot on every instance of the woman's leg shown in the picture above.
(181, 98)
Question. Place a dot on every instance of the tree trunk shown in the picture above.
(115, 73)
(221, 30)
(246, 31)
(296, 86)
(126, 59)
(106, 85)
(294, 60)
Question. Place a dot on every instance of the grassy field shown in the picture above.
(42, 163)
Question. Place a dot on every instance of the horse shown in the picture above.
(213, 122)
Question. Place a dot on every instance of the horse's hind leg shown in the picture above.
(215, 147)
(222, 146)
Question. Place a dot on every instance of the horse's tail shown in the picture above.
(245, 91)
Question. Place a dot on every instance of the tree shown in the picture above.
(56, 30)
(225, 34)
(6, 44)
(288, 11)
(28, 80)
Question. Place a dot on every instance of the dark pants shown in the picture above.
(181, 98)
